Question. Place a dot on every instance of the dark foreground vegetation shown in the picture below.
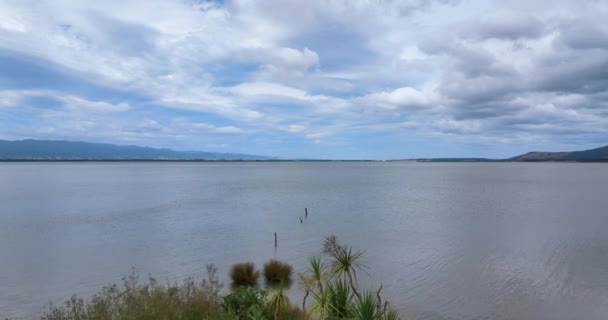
(277, 272)
(329, 284)
(244, 274)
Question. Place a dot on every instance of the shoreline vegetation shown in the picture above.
(329, 283)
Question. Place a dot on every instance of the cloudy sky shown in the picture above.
(317, 79)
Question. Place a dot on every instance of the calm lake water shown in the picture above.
(448, 240)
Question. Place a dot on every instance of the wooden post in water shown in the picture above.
(275, 239)
(306, 213)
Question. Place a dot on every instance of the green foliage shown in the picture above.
(257, 312)
(244, 274)
(340, 296)
(277, 272)
(317, 271)
(331, 284)
(321, 303)
(391, 314)
(279, 303)
(365, 307)
(346, 262)
(245, 302)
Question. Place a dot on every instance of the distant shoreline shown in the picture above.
(78, 151)
(307, 160)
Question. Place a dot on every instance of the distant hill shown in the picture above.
(589, 155)
(71, 150)
(598, 154)
(593, 155)
(540, 156)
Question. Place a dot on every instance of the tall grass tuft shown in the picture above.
(189, 301)
(244, 274)
(277, 272)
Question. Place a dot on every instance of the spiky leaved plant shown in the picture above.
(340, 298)
(365, 307)
(279, 302)
(333, 286)
(344, 261)
(321, 303)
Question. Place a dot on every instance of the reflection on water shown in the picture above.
(448, 240)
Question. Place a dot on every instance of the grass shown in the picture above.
(134, 301)
(244, 274)
(277, 272)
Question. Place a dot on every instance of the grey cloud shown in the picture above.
(470, 61)
(573, 71)
(507, 28)
(468, 93)
(475, 84)
(408, 8)
(584, 35)
(578, 61)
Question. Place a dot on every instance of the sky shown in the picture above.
(309, 78)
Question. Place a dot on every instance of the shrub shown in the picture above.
(246, 301)
(276, 271)
(244, 274)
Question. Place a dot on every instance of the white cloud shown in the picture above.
(200, 126)
(69, 102)
(11, 20)
(400, 98)
(282, 62)
(10, 98)
(80, 104)
(203, 101)
(269, 89)
(151, 125)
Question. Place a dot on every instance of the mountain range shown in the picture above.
(71, 150)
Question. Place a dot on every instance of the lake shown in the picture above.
(447, 240)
